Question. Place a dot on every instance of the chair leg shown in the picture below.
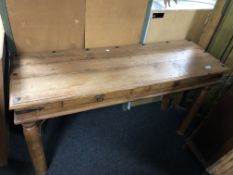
(33, 139)
(192, 112)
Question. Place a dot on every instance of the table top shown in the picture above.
(41, 78)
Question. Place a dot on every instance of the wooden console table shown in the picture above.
(53, 84)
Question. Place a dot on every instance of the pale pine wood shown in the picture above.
(54, 84)
(212, 24)
(33, 139)
(3, 131)
(46, 25)
(114, 22)
(62, 108)
(224, 166)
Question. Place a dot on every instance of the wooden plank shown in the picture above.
(3, 133)
(212, 24)
(114, 22)
(224, 166)
(47, 25)
(191, 23)
(67, 80)
(103, 64)
(57, 109)
(82, 54)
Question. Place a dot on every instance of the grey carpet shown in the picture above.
(109, 141)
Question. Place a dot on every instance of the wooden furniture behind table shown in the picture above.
(212, 141)
(47, 85)
(3, 133)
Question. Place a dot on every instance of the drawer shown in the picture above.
(70, 106)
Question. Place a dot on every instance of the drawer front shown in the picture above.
(102, 100)
(173, 86)
(70, 106)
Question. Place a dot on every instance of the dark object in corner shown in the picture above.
(213, 139)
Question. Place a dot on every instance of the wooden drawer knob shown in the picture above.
(100, 98)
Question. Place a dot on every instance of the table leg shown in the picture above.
(33, 139)
(165, 102)
(192, 111)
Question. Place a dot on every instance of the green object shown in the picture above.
(227, 54)
(221, 47)
(9, 36)
(222, 41)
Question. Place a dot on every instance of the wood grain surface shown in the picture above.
(33, 139)
(58, 82)
(223, 166)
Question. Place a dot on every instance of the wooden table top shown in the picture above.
(41, 78)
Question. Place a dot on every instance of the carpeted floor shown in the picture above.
(109, 141)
